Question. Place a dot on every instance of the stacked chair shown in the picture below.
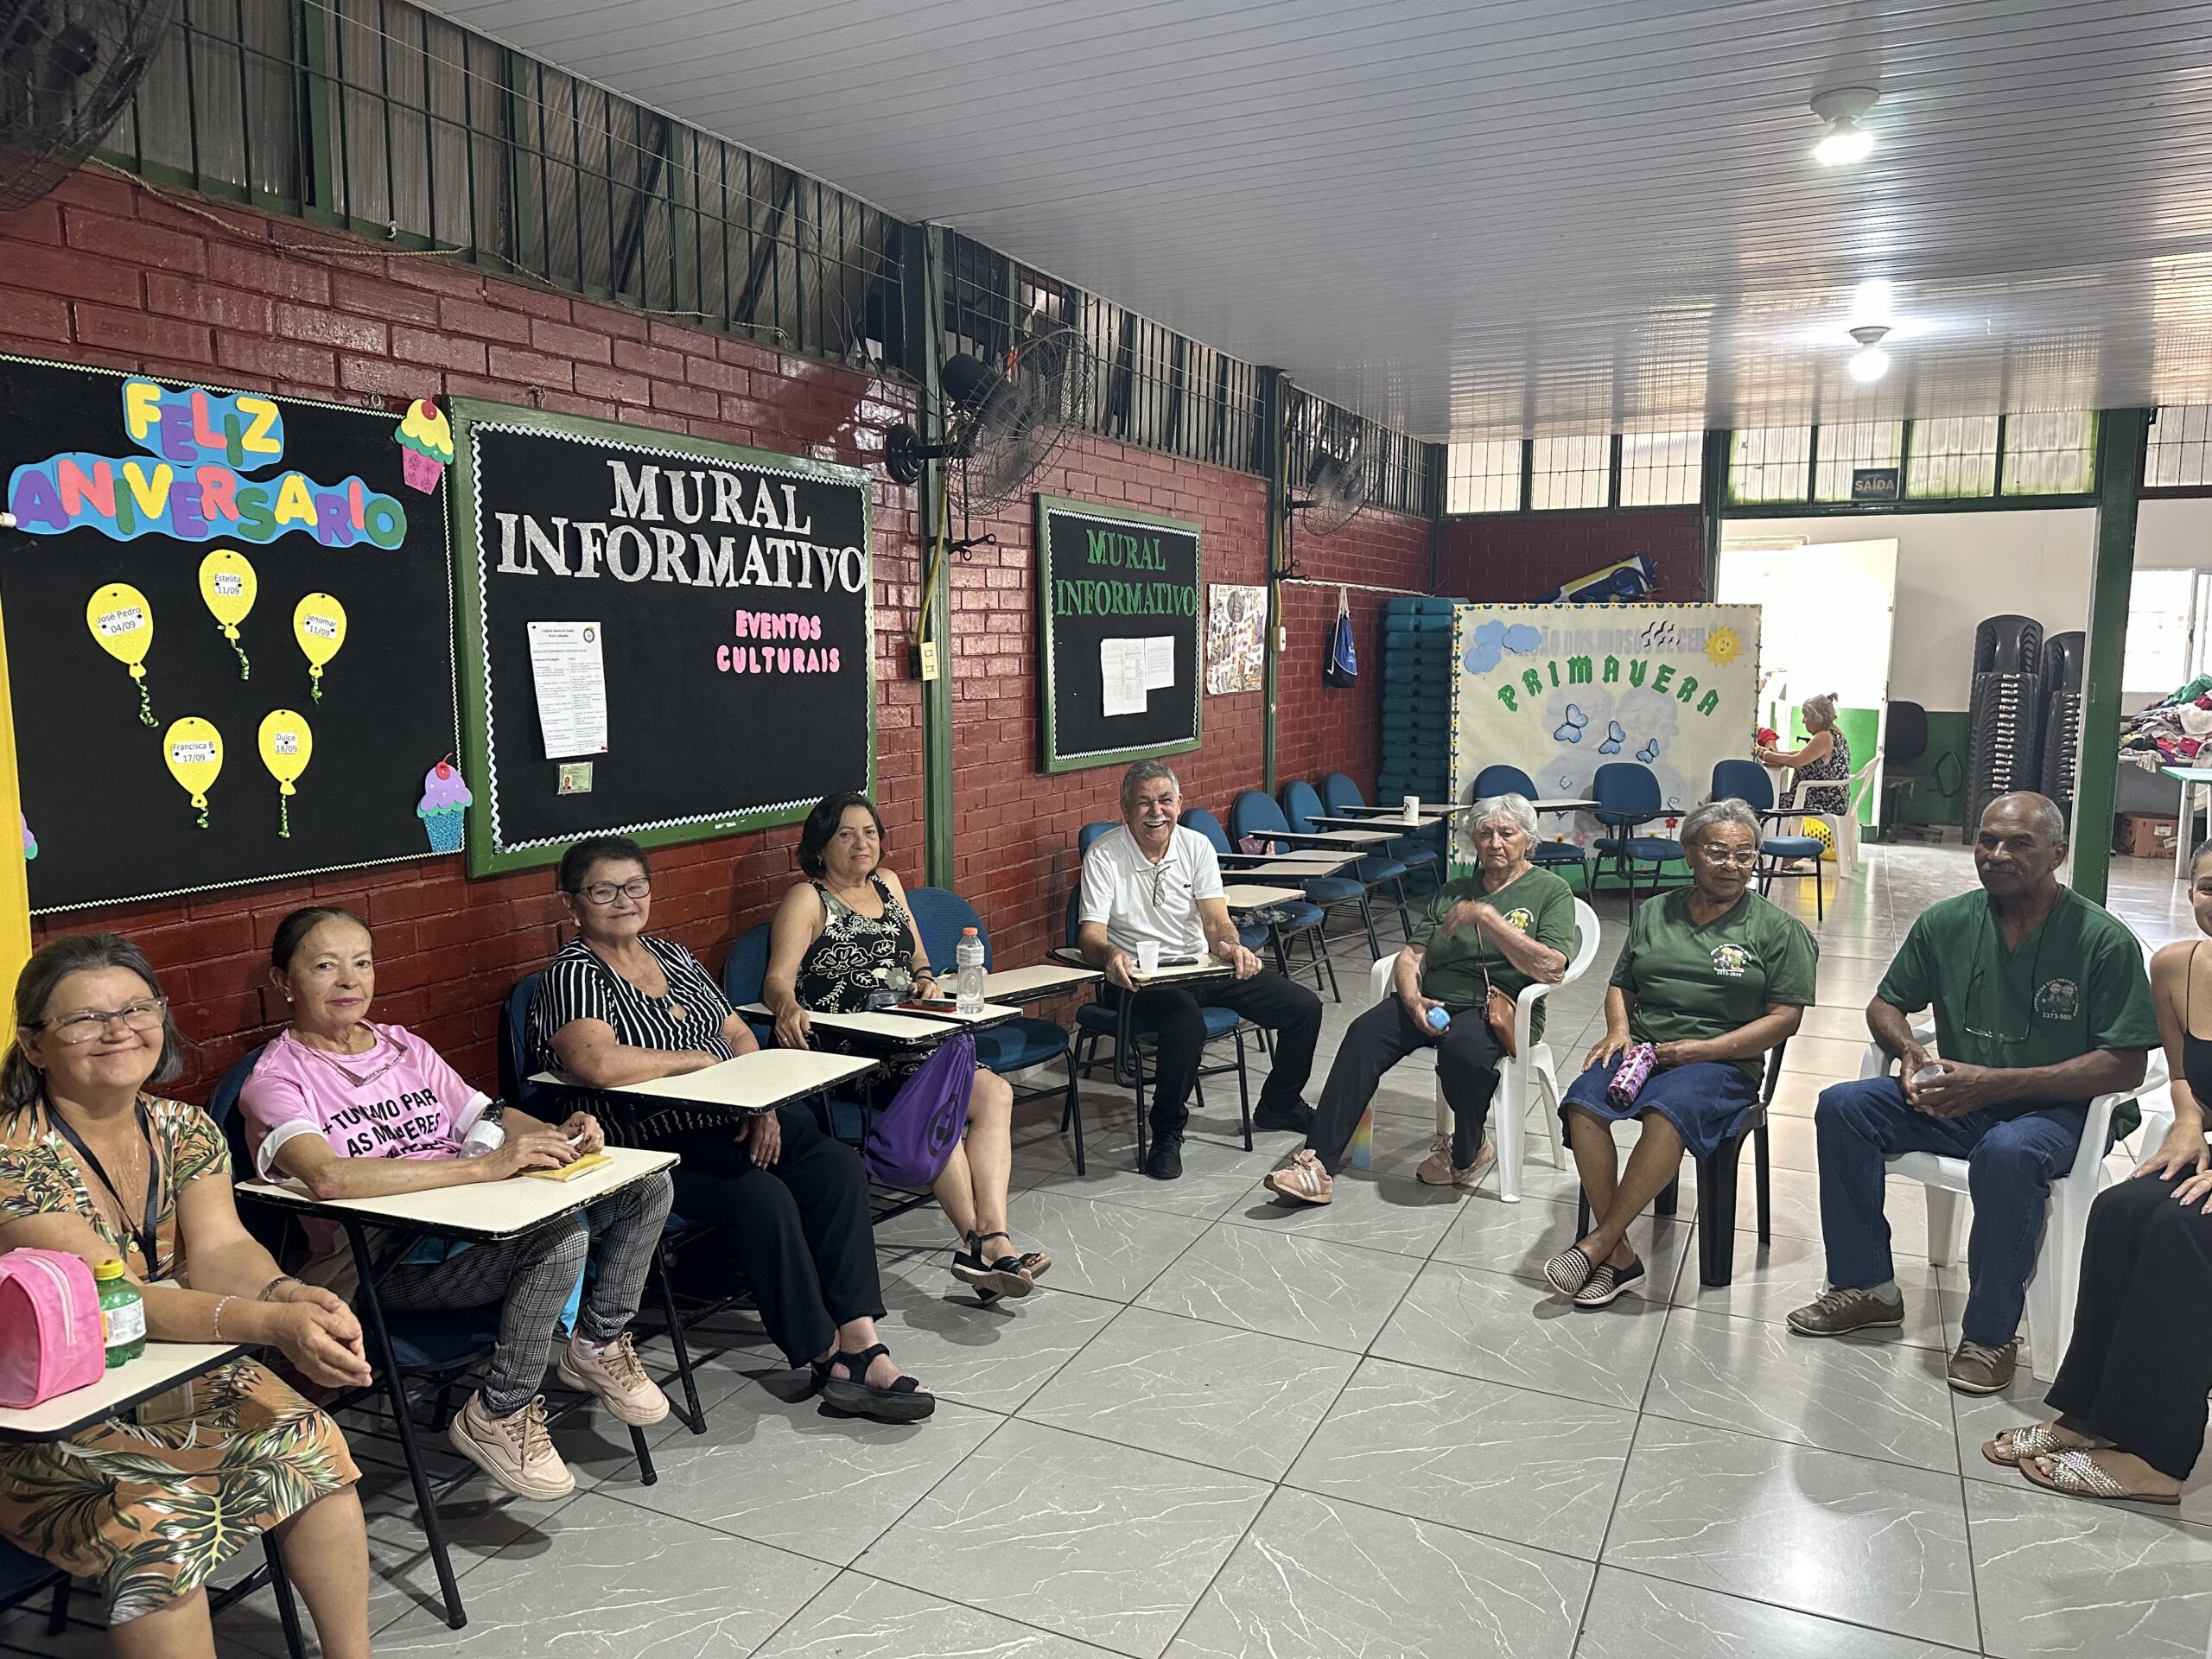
(1417, 676)
(2004, 719)
(2065, 658)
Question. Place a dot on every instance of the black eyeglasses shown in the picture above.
(603, 892)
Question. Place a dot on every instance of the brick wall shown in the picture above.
(1520, 555)
(105, 272)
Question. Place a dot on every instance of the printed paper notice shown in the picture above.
(571, 676)
(1158, 661)
(1121, 668)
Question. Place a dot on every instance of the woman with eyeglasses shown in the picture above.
(617, 1006)
(152, 1501)
(1713, 976)
(844, 940)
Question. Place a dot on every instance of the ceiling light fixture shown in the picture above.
(1845, 142)
(1871, 362)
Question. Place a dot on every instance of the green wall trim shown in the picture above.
(2122, 435)
(924, 274)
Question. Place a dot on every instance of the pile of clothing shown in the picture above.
(2169, 733)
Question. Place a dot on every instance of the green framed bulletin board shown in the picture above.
(1119, 593)
(690, 624)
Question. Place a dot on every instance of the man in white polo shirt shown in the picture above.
(1151, 881)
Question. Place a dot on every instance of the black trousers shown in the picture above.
(1266, 999)
(1467, 1061)
(2140, 1364)
(799, 1231)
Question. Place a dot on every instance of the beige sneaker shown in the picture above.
(1304, 1179)
(1438, 1169)
(516, 1452)
(617, 1377)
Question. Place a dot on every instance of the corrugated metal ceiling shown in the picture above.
(1477, 220)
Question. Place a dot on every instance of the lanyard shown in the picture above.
(147, 1238)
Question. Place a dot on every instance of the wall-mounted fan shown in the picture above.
(1002, 420)
(1331, 476)
(68, 69)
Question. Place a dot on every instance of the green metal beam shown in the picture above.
(1274, 455)
(923, 336)
(1712, 502)
(2121, 436)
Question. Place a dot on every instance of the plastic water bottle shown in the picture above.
(968, 976)
(122, 1315)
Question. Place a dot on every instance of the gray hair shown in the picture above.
(1142, 772)
(1727, 809)
(1822, 707)
(2050, 822)
(22, 1082)
(1512, 807)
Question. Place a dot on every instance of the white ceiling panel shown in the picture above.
(1473, 220)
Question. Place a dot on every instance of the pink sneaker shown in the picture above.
(617, 1377)
(1438, 1169)
(1304, 1179)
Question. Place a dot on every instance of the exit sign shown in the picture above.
(1874, 483)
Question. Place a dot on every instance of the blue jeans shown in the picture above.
(2013, 1157)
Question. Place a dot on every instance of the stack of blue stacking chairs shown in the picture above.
(1417, 676)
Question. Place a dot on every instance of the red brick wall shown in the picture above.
(106, 273)
(1520, 555)
(1322, 729)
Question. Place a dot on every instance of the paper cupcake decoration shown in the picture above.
(426, 446)
(445, 797)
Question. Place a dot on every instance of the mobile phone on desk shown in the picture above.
(1178, 962)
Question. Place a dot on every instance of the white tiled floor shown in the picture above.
(1226, 1430)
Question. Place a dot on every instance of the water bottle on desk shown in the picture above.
(968, 976)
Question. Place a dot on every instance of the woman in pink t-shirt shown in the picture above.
(355, 1110)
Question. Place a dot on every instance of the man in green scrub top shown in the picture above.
(2041, 1003)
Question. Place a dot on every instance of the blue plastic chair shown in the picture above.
(1296, 919)
(1511, 780)
(1090, 832)
(1417, 852)
(939, 916)
(1747, 781)
(1255, 813)
(1113, 1020)
(1628, 796)
(1302, 806)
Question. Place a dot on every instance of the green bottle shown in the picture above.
(122, 1315)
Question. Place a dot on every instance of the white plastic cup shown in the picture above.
(1147, 958)
(1413, 809)
(1929, 1073)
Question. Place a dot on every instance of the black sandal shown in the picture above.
(1006, 1276)
(903, 1402)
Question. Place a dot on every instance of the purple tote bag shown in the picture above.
(914, 1139)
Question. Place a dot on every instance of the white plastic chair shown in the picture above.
(1532, 1061)
(2055, 1283)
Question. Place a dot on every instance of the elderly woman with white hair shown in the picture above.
(1713, 976)
(1822, 784)
(1488, 936)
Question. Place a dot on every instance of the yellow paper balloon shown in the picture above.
(286, 748)
(319, 624)
(123, 624)
(228, 585)
(193, 749)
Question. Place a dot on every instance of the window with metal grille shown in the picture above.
(1662, 469)
(2180, 452)
(2050, 453)
(1771, 463)
(1567, 472)
(1844, 449)
(1953, 458)
(1483, 477)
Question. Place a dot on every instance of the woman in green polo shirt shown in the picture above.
(1713, 976)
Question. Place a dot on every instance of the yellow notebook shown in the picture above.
(583, 1166)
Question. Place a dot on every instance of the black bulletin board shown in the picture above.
(297, 498)
(733, 593)
(1108, 576)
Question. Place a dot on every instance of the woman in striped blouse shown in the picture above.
(616, 1006)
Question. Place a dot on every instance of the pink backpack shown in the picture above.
(51, 1338)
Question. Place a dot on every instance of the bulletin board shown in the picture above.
(229, 631)
(1559, 691)
(726, 597)
(1123, 629)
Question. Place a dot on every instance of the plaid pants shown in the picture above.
(531, 1276)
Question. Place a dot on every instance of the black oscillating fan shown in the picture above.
(68, 70)
(1002, 421)
(1335, 479)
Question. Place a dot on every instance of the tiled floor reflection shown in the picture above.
(1225, 1429)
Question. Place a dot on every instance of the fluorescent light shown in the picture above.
(1844, 143)
(1871, 363)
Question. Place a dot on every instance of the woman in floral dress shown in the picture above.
(151, 1503)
